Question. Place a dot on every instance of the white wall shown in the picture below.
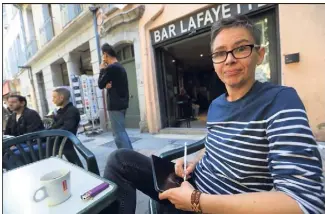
(52, 72)
(84, 34)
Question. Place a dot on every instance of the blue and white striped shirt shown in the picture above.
(260, 142)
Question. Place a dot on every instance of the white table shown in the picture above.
(20, 184)
(7, 137)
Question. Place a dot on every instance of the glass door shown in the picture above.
(168, 83)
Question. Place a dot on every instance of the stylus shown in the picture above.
(185, 161)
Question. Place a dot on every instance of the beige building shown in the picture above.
(175, 42)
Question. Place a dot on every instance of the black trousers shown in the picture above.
(132, 171)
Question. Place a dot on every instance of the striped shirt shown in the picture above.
(260, 142)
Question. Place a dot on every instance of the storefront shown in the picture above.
(182, 49)
(175, 42)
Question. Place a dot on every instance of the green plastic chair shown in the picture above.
(51, 142)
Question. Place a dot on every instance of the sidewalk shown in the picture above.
(102, 145)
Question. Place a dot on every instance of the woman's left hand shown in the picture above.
(180, 196)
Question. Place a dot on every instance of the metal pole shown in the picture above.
(94, 9)
(97, 37)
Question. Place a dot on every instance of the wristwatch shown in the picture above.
(195, 201)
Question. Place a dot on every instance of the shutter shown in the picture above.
(71, 12)
(64, 14)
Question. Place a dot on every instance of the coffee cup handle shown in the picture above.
(43, 197)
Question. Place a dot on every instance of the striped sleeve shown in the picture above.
(294, 160)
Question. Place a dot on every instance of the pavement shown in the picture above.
(102, 145)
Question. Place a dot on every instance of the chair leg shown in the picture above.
(152, 207)
(188, 123)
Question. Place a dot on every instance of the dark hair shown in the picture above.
(19, 98)
(63, 91)
(108, 49)
(237, 21)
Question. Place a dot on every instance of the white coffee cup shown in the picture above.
(56, 187)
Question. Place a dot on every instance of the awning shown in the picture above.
(6, 88)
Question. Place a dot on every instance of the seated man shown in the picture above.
(258, 140)
(23, 120)
(184, 104)
(66, 118)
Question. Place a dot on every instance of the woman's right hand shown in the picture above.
(179, 168)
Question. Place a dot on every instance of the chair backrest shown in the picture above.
(39, 145)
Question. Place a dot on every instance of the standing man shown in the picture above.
(67, 118)
(113, 77)
(23, 120)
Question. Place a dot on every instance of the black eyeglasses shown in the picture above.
(238, 53)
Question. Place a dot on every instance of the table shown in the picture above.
(7, 137)
(20, 184)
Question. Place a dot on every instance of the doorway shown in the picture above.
(125, 55)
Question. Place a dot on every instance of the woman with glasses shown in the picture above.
(258, 140)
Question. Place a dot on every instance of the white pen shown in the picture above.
(185, 161)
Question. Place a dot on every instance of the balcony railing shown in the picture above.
(69, 12)
(31, 48)
(46, 31)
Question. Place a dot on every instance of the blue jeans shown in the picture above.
(121, 138)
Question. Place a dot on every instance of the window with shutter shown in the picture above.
(69, 12)
(125, 53)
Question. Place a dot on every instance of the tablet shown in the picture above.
(164, 174)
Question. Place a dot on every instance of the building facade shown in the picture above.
(165, 48)
(61, 50)
(14, 44)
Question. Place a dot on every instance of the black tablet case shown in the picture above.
(164, 176)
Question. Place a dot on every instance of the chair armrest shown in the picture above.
(90, 158)
(179, 152)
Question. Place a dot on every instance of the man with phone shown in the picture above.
(258, 140)
(113, 77)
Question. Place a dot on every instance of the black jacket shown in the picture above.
(67, 118)
(118, 95)
(29, 121)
